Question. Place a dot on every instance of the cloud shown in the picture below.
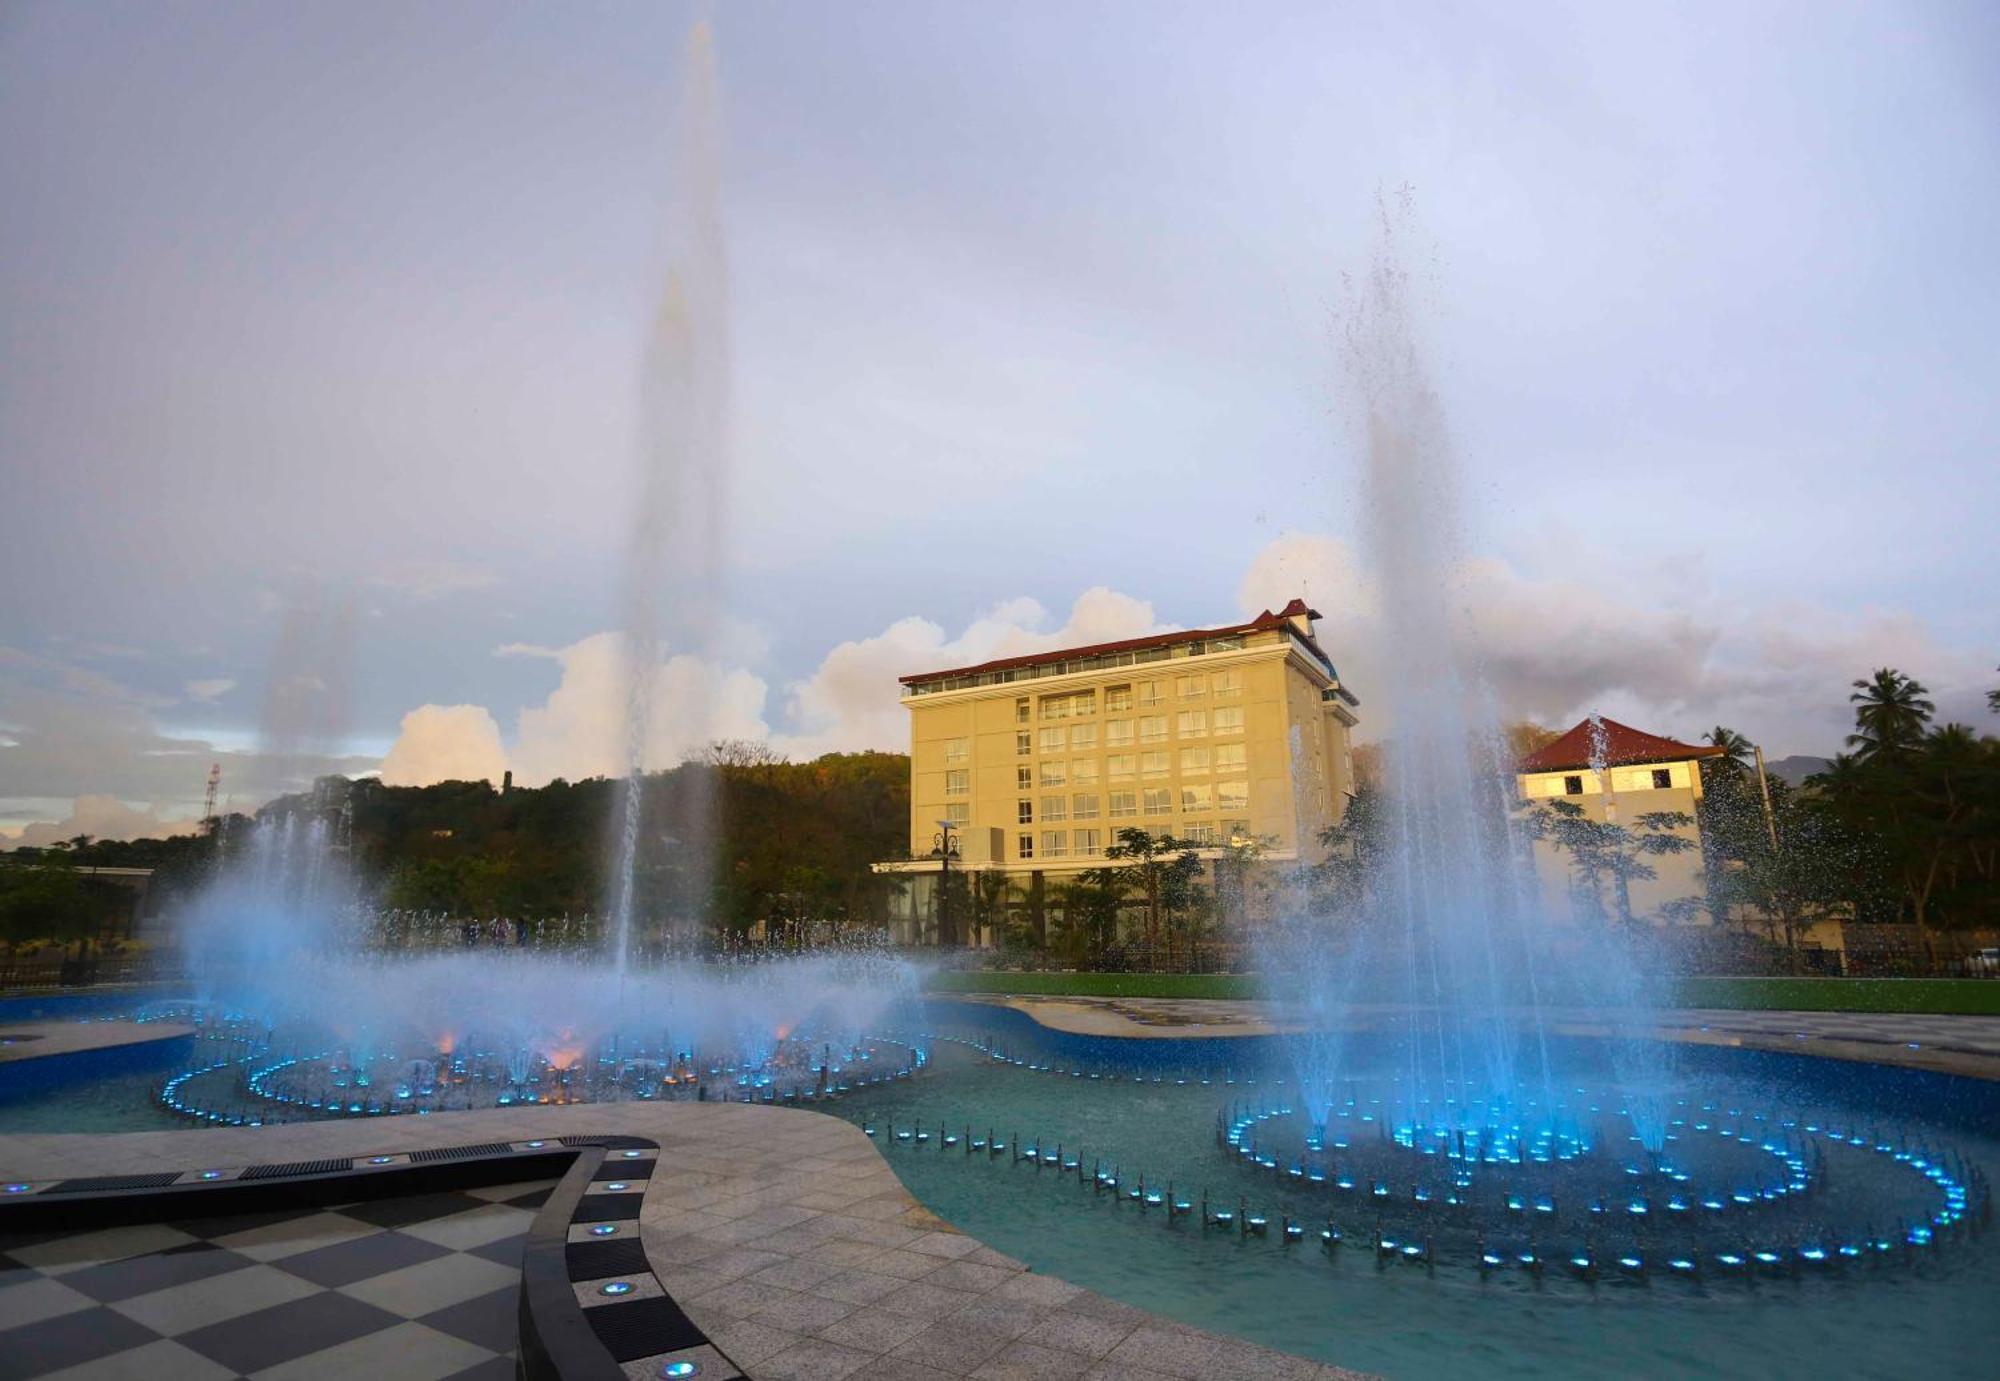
(100, 817)
(428, 580)
(579, 730)
(1555, 649)
(68, 732)
(851, 701)
(440, 743)
(209, 691)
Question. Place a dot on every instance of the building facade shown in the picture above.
(1616, 774)
(1031, 765)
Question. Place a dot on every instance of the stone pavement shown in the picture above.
(784, 1235)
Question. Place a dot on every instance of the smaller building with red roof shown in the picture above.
(1610, 773)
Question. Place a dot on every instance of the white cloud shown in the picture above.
(100, 817)
(851, 701)
(443, 743)
(579, 730)
(209, 691)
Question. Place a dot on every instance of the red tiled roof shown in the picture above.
(1263, 621)
(1623, 746)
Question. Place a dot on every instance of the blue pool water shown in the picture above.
(1925, 1312)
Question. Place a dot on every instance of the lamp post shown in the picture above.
(944, 848)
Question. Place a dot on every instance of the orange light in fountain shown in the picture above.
(447, 1043)
(565, 1057)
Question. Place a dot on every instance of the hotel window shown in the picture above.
(1191, 687)
(1232, 795)
(1199, 832)
(957, 749)
(1229, 720)
(1024, 777)
(1025, 846)
(1086, 806)
(1152, 728)
(1118, 733)
(1055, 843)
(1159, 801)
(1055, 773)
(1055, 707)
(1229, 682)
(957, 782)
(1083, 703)
(1089, 843)
(1053, 740)
(1152, 764)
(1193, 723)
(1120, 766)
(1083, 738)
(1151, 693)
(958, 812)
(1023, 712)
(1237, 831)
(1083, 771)
(1024, 742)
(1229, 757)
(1055, 808)
(1663, 777)
(1197, 798)
(1194, 762)
(1123, 804)
(1024, 812)
(1572, 786)
(1117, 699)
(1232, 643)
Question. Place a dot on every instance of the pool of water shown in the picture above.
(1915, 1311)
(108, 1090)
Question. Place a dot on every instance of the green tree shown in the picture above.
(1158, 871)
(1602, 851)
(44, 901)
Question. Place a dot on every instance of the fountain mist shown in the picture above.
(1450, 938)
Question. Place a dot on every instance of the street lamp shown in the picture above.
(944, 848)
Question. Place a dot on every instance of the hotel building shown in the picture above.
(1216, 736)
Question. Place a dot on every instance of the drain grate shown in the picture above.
(99, 1183)
(436, 1154)
(297, 1167)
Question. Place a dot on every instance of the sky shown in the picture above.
(322, 331)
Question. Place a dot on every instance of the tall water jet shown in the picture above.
(676, 542)
(1447, 938)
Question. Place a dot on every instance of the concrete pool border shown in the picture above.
(1944, 1044)
(784, 1235)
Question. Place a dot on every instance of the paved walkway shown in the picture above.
(1967, 1045)
(784, 1235)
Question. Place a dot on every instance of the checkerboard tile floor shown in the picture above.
(422, 1288)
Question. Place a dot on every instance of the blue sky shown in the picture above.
(329, 320)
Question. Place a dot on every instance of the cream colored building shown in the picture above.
(1635, 774)
(1214, 736)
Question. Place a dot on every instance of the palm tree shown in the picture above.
(1993, 698)
(1736, 751)
(1891, 715)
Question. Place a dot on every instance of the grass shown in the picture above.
(1956, 996)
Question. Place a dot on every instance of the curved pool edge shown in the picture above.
(784, 1233)
(1968, 1046)
(55, 1038)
